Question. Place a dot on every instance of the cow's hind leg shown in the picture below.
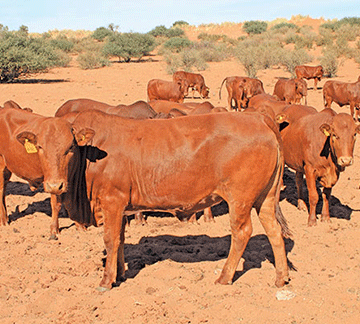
(274, 232)
(241, 229)
(4, 179)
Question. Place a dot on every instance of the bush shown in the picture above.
(158, 31)
(330, 63)
(62, 43)
(293, 58)
(129, 45)
(176, 44)
(255, 27)
(101, 33)
(162, 31)
(211, 52)
(284, 25)
(180, 23)
(91, 60)
(174, 32)
(21, 54)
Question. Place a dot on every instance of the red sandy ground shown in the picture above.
(173, 265)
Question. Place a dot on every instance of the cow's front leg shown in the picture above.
(325, 213)
(114, 237)
(5, 175)
(313, 195)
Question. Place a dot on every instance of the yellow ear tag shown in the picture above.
(30, 147)
(83, 137)
(326, 132)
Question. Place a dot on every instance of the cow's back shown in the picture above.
(77, 105)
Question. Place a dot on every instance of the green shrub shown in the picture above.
(293, 58)
(91, 60)
(87, 44)
(180, 23)
(284, 25)
(254, 27)
(158, 31)
(174, 32)
(21, 54)
(176, 44)
(211, 52)
(101, 33)
(335, 25)
(62, 43)
(129, 45)
(330, 63)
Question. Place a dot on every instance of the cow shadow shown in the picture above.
(42, 81)
(197, 248)
(21, 188)
(337, 209)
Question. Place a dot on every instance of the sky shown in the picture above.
(144, 15)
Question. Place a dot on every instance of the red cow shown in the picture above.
(192, 80)
(310, 72)
(319, 145)
(40, 150)
(183, 165)
(290, 90)
(139, 109)
(267, 104)
(343, 93)
(165, 106)
(240, 89)
(165, 90)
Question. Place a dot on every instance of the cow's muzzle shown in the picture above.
(345, 161)
(55, 187)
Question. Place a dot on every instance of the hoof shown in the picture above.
(102, 289)
(220, 282)
(53, 237)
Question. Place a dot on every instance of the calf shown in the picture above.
(183, 165)
(241, 89)
(343, 93)
(310, 72)
(319, 145)
(290, 90)
(192, 80)
(165, 90)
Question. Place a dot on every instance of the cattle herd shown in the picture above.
(103, 162)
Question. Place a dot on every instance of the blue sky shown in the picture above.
(143, 15)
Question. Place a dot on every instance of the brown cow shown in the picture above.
(165, 90)
(40, 150)
(192, 80)
(267, 104)
(319, 145)
(310, 72)
(290, 90)
(13, 104)
(343, 93)
(165, 106)
(241, 89)
(139, 109)
(184, 165)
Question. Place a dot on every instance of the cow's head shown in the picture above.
(341, 133)
(319, 72)
(56, 147)
(205, 91)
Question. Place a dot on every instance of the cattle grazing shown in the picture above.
(310, 72)
(290, 90)
(319, 145)
(241, 89)
(343, 93)
(165, 90)
(138, 110)
(183, 165)
(192, 80)
(40, 150)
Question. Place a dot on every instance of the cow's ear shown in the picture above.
(83, 136)
(326, 129)
(29, 140)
